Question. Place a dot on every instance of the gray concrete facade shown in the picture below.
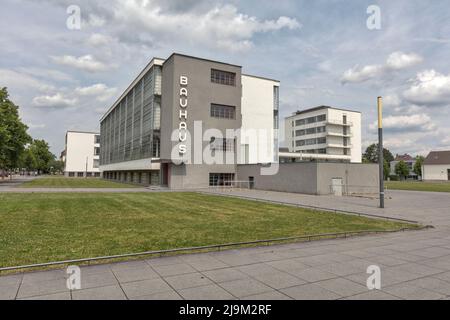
(201, 93)
(314, 177)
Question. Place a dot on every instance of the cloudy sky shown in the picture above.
(322, 52)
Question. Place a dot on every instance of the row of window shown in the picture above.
(309, 120)
(309, 131)
(221, 144)
(223, 77)
(309, 142)
(222, 111)
(221, 179)
(82, 174)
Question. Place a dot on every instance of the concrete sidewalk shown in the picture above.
(414, 265)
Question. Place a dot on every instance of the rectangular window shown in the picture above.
(71, 174)
(96, 151)
(310, 130)
(299, 143)
(97, 138)
(221, 179)
(80, 174)
(321, 140)
(322, 117)
(300, 122)
(96, 163)
(321, 129)
(223, 77)
(220, 144)
(300, 133)
(223, 111)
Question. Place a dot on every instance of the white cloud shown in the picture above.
(399, 60)
(220, 27)
(54, 101)
(98, 39)
(361, 74)
(17, 80)
(429, 88)
(409, 123)
(396, 61)
(87, 63)
(99, 90)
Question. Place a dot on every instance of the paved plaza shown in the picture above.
(414, 264)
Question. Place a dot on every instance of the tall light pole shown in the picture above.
(380, 150)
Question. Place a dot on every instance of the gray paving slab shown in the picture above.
(168, 295)
(209, 292)
(407, 291)
(134, 274)
(100, 293)
(224, 275)
(36, 288)
(310, 291)
(341, 286)
(145, 287)
(54, 296)
(174, 269)
(95, 280)
(245, 287)
(189, 280)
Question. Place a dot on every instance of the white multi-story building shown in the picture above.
(324, 133)
(81, 154)
(171, 125)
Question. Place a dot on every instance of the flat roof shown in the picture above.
(154, 61)
(77, 131)
(258, 77)
(203, 59)
(319, 108)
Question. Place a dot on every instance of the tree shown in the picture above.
(386, 170)
(371, 154)
(28, 160)
(56, 166)
(418, 165)
(42, 154)
(13, 133)
(401, 169)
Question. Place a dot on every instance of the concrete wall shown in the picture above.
(314, 177)
(357, 178)
(291, 177)
(435, 172)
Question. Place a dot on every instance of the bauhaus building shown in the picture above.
(187, 122)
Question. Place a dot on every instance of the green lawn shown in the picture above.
(63, 182)
(40, 227)
(418, 186)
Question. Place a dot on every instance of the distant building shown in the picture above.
(81, 154)
(437, 166)
(325, 133)
(410, 162)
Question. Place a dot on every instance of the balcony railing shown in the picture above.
(339, 122)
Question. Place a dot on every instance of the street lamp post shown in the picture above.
(380, 150)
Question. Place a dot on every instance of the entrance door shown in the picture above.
(336, 186)
(251, 182)
(448, 174)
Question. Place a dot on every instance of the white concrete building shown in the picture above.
(436, 166)
(324, 133)
(82, 154)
